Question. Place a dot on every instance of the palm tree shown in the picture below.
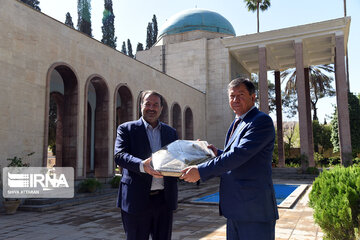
(320, 83)
(255, 5)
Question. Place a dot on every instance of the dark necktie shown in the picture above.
(237, 121)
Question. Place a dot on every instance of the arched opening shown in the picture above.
(96, 132)
(164, 116)
(123, 111)
(138, 104)
(124, 105)
(176, 119)
(60, 148)
(189, 124)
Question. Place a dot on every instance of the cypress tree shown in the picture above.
(139, 47)
(129, 47)
(32, 3)
(354, 117)
(123, 48)
(68, 20)
(149, 36)
(108, 28)
(84, 17)
(155, 30)
(151, 33)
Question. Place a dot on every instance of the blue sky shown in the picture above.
(131, 18)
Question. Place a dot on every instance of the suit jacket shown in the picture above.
(131, 148)
(246, 188)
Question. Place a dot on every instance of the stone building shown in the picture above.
(95, 87)
(199, 47)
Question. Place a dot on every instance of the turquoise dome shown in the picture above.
(196, 19)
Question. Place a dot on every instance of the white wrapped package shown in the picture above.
(171, 159)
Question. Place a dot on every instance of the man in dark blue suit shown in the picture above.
(146, 198)
(247, 197)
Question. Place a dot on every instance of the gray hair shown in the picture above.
(245, 81)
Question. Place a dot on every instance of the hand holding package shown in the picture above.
(171, 159)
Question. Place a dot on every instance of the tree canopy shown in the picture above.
(256, 5)
(68, 20)
(149, 38)
(123, 48)
(319, 80)
(139, 47)
(108, 28)
(155, 29)
(288, 102)
(129, 47)
(32, 3)
(84, 17)
(354, 116)
(151, 33)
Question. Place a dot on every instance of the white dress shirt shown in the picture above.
(154, 137)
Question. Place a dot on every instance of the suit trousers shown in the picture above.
(156, 221)
(239, 230)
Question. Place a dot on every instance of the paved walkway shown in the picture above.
(101, 220)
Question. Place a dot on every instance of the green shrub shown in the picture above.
(320, 160)
(293, 162)
(334, 161)
(115, 181)
(335, 198)
(312, 170)
(18, 161)
(356, 161)
(89, 185)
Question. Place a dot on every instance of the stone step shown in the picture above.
(65, 202)
(291, 173)
(285, 170)
(45, 204)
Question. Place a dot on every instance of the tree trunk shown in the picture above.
(313, 104)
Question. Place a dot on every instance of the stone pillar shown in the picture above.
(342, 101)
(263, 85)
(307, 152)
(308, 117)
(280, 135)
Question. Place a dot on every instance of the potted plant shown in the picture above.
(11, 204)
(89, 185)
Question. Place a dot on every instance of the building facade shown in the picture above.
(94, 88)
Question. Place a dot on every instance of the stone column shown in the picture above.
(308, 117)
(342, 101)
(307, 153)
(280, 135)
(263, 85)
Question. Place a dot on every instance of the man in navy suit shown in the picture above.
(247, 197)
(146, 198)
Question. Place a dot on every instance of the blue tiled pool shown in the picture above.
(282, 191)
